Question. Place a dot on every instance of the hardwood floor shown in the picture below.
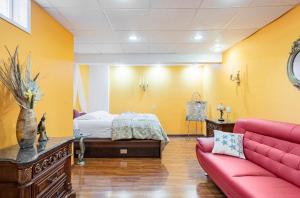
(177, 174)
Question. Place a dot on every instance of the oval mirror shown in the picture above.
(294, 64)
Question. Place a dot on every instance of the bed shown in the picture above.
(122, 135)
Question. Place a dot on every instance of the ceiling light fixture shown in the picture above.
(198, 37)
(218, 48)
(133, 38)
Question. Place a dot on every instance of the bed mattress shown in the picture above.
(96, 128)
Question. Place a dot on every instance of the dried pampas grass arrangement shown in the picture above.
(18, 81)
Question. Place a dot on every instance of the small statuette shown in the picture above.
(41, 146)
(221, 108)
(41, 130)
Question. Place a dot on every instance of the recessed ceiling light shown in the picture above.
(218, 48)
(198, 37)
(133, 38)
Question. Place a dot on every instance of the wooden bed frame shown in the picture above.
(100, 148)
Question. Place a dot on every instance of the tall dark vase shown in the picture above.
(26, 128)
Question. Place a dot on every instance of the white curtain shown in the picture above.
(78, 90)
(99, 88)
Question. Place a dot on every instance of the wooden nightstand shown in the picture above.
(212, 125)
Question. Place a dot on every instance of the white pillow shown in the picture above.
(100, 114)
(97, 115)
(87, 116)
(228, 144)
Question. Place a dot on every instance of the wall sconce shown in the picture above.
(236, 78)
(143, 84)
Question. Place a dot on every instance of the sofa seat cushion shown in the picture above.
(261, 187)
(231, 166)
(222, 169)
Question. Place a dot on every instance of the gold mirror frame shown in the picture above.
(290, 67)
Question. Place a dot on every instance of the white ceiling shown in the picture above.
(162, 26)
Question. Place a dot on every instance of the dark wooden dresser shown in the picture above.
(41, 171)
(212, 125)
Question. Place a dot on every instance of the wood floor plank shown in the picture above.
(177, 174)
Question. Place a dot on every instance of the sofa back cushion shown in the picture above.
(273, 145)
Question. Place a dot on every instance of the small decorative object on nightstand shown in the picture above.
(221, 108)
(212, 125)
(228, 111)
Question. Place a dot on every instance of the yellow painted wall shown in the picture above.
(169, 90)
(265, 91)
(84, 72)
(51, 48)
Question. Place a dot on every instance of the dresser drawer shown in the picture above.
(58, 190)
(50, 161)
(209, 132)
(213, 126)
(47, 182)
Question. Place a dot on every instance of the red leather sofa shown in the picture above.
(272, 165)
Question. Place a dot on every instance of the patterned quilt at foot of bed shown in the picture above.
(138, 126)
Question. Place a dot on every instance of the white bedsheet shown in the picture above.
(99, 128)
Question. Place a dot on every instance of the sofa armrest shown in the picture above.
(205, 144)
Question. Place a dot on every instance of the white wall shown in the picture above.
(99, 88)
